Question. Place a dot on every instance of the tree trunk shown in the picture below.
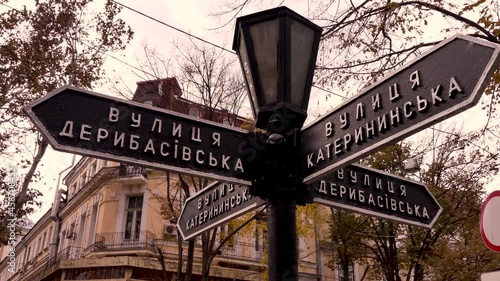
(419, 272)
(205, 260)
(179, 258)
(21, 198)
(205, 271)
(345, 269)
(161, 259)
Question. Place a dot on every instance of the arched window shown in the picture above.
(193, 111)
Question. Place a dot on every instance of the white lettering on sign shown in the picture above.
(392, 118)
(370, 198)
(85, 132)
(360, 111)
(376, 102)
(454, 88)
(135, 120)
(113, 115)
(156, 126)
(344, 123)
(216, 139)
(415, 79)
(102, 134)
(394, 92)
(153, 146)
(67, 130)
(219, 201)
(195, 134)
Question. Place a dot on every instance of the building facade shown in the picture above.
(109, 223)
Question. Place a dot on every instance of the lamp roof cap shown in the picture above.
(266, 15)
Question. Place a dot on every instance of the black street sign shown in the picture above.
(445, 81)
(83, 122)
(376, 193)
(213, 206)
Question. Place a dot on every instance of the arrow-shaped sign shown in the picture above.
(213, 206)
(445, 81)
(83, 122)
(376, 193)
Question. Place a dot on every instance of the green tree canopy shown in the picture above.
(56, 42)
(456, 173)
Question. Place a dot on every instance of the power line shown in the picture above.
(156, 76)
(188, 34)
(328, 91)
(9, 7)
(203, 40)
(457, 135)
(447, 142)
(137, 68)
(207, 42)
(173, 27)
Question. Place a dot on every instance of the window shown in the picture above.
(226, 120)
(62, 240)
(260, 233)
(49, 237)
(133, 217)
(350, 276)
(93, 219)
(81, 182)
(195, 112)
(226, 230)
(93, 169)
(303, 246)
(75, 189)
(149, 98)
(71, 234)
(40, 247)
(79, 235)
(28, 256)
(44, 238)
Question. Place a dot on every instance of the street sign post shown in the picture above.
(213, 206)
(376, 193)
(83, 122)
(444, 81)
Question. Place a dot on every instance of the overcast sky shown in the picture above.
(192, 16)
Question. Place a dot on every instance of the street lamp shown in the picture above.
(277, 50)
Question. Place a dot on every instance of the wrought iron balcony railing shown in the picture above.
(124, 240)
(242, 250)
(69, 253)
(132, 171)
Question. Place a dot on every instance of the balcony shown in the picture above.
(69, 253)
(115, 243)
(241, 251)
(132, 174)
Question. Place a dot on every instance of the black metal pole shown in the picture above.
(282, 206)
(282, 240)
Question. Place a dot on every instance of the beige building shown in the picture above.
(107, 224)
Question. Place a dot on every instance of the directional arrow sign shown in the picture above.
(213, 206)
(376, 193)
(443, 82)
(83, 122)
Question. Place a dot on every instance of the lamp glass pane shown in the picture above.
(302, 38)
(265, 36)
(245, 64)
